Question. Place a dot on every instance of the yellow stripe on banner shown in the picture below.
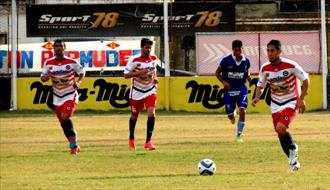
(167, 93)
(197, 94)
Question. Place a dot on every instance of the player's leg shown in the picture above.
(240, 125)
(288, 145)
(150, 105)
(242, 102)
(64, 112)
(136, 107)
(276, 118)
(230, 107)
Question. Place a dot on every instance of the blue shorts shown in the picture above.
(236, 96)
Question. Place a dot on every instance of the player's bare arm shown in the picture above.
(249, 77)
(220, 78)
(44, 78)
(155, 77)
(79, 81)
(301, 103)
(259, 92)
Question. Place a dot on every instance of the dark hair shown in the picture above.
(146, 41)
(237, 43)
(275, 43)
(59, 41)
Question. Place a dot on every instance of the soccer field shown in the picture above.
(34, 153)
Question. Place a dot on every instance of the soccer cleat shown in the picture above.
(294, 164)
(74, 151)
(149, 146)
(131, 144)
(239, 140)
(293, 155)
(294, 167)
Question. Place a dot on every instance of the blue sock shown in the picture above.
(73, 141)
(240, 127)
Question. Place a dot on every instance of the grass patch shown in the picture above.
(34, 153)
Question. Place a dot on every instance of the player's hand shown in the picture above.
(226, 86)
(249, 79)
(301, 106)
(156, 80)
(45, 78)
(76, 84)
(143, 72)
(255, 101)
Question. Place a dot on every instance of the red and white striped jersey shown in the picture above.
(284, 84)
(62, 73)
(142, 86)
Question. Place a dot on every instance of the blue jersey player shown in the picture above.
(233, 71)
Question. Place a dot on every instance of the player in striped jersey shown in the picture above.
(286, 96)
(61, 71)
(143, 73)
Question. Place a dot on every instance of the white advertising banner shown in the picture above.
(302, 47)
(93, 55)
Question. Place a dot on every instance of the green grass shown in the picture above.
(34, 153)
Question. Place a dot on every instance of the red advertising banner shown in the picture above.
(302, 47)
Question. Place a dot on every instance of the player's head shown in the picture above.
(237, 48)
(274, 50)
(146, 45)
(59, 48)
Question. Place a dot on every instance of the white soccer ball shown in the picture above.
(206, 167)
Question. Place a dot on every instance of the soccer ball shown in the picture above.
(206, 167)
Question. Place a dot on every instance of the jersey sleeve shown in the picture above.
(222, 63)
(44, 71)
(157, 63)
(299, 72)
(130, 66)
(262, 79)
(79, 69)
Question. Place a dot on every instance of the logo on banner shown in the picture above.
(113, 45)
(205, 18)
(212, 97)
(48, 21)
(102, 19)
(116, 94)
(215, 52)
(48, 45)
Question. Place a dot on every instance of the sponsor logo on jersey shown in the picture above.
(59, 72)
(285, 73)
(234, 93)
(277, 79)
(236, 75)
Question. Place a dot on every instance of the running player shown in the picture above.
(233, 71)
(286, 96)
(61, 71)
(143, 73)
